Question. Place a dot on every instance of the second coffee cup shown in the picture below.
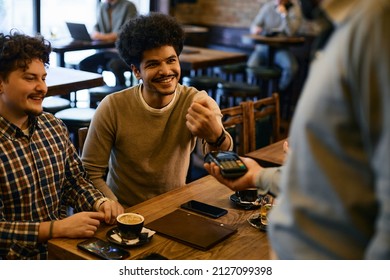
(247, 196)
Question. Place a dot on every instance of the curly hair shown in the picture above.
(147, 32)
(18, 50)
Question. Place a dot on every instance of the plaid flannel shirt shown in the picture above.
(40, 175)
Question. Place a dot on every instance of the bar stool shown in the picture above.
(206, 83)
(232, 72)
(75, 118)
(232, 93)
(53, 104)
(266, 77)
(97, 94)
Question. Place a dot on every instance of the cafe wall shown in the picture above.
(227, 13)
(231, 13)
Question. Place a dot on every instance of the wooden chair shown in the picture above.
(236, 122)
(263, 121)
(82, 135)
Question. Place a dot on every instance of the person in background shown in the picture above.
(276, 18)
(334, 201)
(145, 134)
(111, 16)
(40, 171)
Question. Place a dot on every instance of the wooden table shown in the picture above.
(274, 42)
(195, 35)
(271, 155)
(62, 81)
(194, 58)
(60, 47)
(247, 243)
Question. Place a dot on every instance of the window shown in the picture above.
(19, 15)
(54, 14)
(16, 14)
(143, 6)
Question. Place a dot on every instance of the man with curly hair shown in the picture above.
(145, 134)
(40, 171)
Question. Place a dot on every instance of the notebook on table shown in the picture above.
(78, 31)
(191, 229)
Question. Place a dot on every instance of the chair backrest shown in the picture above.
(82, 134)
(235, 121)
(264, 121)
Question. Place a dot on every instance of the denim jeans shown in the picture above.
(106, 60)
(283, 58)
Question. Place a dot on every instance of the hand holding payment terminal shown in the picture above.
(230, 163)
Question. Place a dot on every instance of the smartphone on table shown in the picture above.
(103, 249)
(204, 209)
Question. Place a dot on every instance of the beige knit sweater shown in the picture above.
(147, 150)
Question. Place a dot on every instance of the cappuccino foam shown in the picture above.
(130, 219)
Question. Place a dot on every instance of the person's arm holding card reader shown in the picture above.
(266, 180)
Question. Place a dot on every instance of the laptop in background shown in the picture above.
(78, 31)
